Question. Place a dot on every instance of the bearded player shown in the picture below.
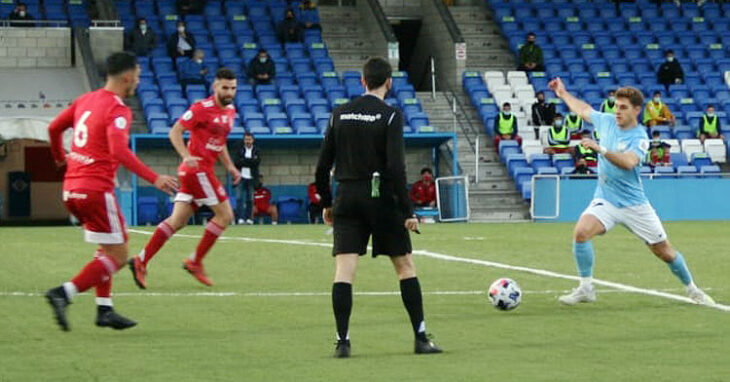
(100, 123)
(209, 122)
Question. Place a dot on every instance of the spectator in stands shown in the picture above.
(574, 123)
(262, 203)
(315, 204)
(588, 156)
(261, 69)
(289, 29)
(609, 104)
(657, 112)
(190, 7)
(558, 137)
(142, 38)
(531, 55)
(505, 126)
(181, 43)
(247, 159)
(670, 72)
(659, 151)
(423, 192)
(192, 72)
(21, 17)
(309, 15)
(710, 127)
(542, 112)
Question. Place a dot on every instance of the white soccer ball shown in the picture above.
(505, 294)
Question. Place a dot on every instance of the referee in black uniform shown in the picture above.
(364, 142)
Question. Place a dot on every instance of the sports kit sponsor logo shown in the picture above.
(188, 115)
(83, 159)
(120, 123)
(360, 117)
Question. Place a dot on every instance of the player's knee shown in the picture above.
(581, 234)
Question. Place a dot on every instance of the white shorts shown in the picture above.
(642, 220)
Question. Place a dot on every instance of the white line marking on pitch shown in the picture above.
(492, 264)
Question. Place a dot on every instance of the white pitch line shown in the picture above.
(304, 294)
(492, 264)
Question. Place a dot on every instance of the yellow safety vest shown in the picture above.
(608, 109)
(574, 125)
(506, 125)
(559, 136)
(710, 127)
(587, 154)
(652, 111)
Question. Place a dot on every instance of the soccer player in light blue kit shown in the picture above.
(619, 196)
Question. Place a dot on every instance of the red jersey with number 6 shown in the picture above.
(209, 126)
(101, 123)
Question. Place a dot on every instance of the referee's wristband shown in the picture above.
(602, 150)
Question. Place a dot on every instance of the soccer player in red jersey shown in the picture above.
(209, 122)
(100, 123)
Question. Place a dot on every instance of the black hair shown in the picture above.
(668, 51)
(710, 106)
(657, 92)
(120, 62)
(506, 104)
(540, 92)
(426, 170)
(558, 115)
(262, 50)
(225, 74)
(655, 133)
(531, 34)
(376, 72)
(248, 134)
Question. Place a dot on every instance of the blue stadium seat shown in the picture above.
(701, 159)
(522, 174)
(561, 161)
(538, 161)
(514, 161)
(148, 210)
(664, 171)
(710, 171)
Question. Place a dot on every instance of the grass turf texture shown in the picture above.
(622, 337)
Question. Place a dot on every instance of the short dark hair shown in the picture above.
(120, 62)
(531, 34)
(225, 74)
(655, 133)
(540, 92)
(426, 170)
(248, 134)
(710, 106)
(262, 50)
(668, 51)
(376, 72)
(657, 93)
(558, 115)
(507, 104)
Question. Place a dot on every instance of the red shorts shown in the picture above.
(262, 209)
(201, 187)
(98, 212)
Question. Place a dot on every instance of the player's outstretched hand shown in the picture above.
(412, 224)
(590, 144)
(235, 174)
(557, 86)
(191, 161)
(327, 215)
(167, 184)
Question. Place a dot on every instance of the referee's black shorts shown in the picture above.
(357, 216)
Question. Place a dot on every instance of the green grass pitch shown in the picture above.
(254, 335)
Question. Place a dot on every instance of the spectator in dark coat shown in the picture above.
(181, 43)
(142, 38)
(190, 7)
(21, 15)
(261, 70)
(531, 55)
(192, 72)
(309, 15)
(289, 29)
(670, 72)
(247, 159)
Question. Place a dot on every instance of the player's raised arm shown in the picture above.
(579, 107)
(61, 123)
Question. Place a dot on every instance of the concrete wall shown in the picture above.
(45, 198)
(35, 47)
(369, 15)
(281, 166)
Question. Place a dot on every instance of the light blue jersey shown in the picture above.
(622, 188)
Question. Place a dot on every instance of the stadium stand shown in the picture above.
(595, 48)
(73, 11)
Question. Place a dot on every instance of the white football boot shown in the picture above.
(583, 293)
(698, 296)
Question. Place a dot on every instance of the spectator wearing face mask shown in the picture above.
(574, 123)
(21, 17)
(192, 72)
(558, 137)
(309, 16)
(659, 151)
(423, 192)
(261, 69)
(142, 39)
(609, 104)
(531, 55)
(289, 29)
(670, 72)
(657, 112)
(581, 153)
(542, 112)
(181, 43)
(710, 127)
(505, 126)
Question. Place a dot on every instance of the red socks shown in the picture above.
(96, 272)
(212, 231)
(159, 238)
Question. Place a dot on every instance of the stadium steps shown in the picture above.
(346, 37)
(139, 124)
(485, 46)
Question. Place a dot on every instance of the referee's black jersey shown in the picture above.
(364, 136)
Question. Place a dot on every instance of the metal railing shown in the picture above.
(34, 23)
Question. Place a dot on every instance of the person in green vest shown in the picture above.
(609, 104)
(558, 137)
(584, 156)
(574, 123)
(657, 112)
(659, 151)
(505, 126)
(710, 127)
